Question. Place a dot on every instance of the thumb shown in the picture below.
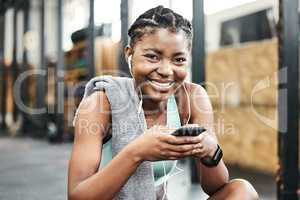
(167, 130)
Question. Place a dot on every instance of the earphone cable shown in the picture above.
(139, 109)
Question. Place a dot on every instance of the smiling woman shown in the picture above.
(136, 116)
(159, 62)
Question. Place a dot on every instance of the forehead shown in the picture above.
(163, 40)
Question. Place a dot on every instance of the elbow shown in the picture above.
(79, 195)
(74, 196)
(211, 185)
(212, 189)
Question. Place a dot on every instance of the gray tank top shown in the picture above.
(127, 125)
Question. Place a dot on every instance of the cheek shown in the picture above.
(180, 74)
(141, 71)
(144, 69)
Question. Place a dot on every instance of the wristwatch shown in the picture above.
(213, 161)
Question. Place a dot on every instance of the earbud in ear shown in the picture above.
(129, 62)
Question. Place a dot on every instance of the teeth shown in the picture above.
(164, 85)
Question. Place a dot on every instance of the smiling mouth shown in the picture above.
(161, 86)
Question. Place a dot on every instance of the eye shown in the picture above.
(180, 60)
(152, 57)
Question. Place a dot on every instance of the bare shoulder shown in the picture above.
(93, 119)
(97, 101)
(193, 87)
(201, 108)
(198, 95)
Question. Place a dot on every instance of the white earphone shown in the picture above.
(129, 64)
(130, 70)
(140, 109)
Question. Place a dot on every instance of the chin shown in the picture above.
(155, 95)
(158, 97)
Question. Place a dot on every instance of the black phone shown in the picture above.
(188, 131)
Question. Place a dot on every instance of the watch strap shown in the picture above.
(213, 161)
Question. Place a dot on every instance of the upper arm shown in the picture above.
(201, 109)
(203, 114)
(92, 122)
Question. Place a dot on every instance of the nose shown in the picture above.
(165, 69)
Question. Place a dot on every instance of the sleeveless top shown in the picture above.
(173, 121)
(128, 124)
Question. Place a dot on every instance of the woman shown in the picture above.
(158, 57)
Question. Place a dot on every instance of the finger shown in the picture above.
(162, 128)
(199, 152)
(166, 130)
(172, 158)
(182, 139)
(170, 155)
(204, 135)
(191, 125)
(193, 152)
(199, 145)
(181, 148)
(176, 155)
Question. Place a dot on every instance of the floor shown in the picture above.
(33, 169)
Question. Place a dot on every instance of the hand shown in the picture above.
(157, 144)
(206, 147)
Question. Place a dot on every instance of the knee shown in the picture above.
(242, 189)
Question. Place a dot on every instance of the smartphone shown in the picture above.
(188, 131)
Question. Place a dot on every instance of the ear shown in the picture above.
(128, 51)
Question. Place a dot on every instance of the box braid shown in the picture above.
(159, 17)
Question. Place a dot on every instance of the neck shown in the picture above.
(152, 107)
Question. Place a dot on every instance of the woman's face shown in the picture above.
(159, 62)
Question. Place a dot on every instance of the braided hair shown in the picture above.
(159, 17)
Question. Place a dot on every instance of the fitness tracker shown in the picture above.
(214, 161)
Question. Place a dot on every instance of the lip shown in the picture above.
(161, 85)
(160, 80)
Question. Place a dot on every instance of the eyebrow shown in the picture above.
(153, 49)
(160, 52)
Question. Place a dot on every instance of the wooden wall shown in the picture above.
(242, 84)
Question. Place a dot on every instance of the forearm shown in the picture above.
(212, 178)
(107, 182)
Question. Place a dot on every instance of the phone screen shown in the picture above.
(189, 131)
